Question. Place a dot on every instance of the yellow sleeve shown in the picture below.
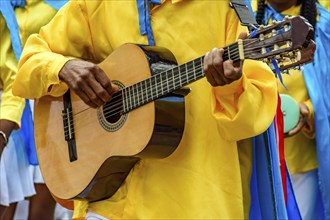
(246, 106)
(11, 107)
(42, 57)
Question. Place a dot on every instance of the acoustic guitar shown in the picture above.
(86, 153)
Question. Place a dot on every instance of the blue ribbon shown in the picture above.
(277, 70)
(7, 11)
(317, 80)
(56, 4)
(270, 13)
(144, 18)
(273, 60)
(267, 198)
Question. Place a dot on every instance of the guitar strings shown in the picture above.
(234, 52)
(157, 86)
(114, 111)
(117, 106)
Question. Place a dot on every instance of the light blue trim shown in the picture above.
(144, 19)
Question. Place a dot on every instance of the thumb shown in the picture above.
(242, 35)
(114, 88)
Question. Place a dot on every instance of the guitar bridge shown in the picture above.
(69, 126)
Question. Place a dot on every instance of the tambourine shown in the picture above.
(290, 111)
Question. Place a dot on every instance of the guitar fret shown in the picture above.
(194, 70)
(140, 94)
(168, 88)
(156, 88)
(179, 74)
(151, 90)
(134, 95)
(125, 100)
(173, 80)
(161, 85)
(228, 49)
(186, 72)
(129, 98)
(201, 65)
(145, 89)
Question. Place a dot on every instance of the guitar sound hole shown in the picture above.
(113, 110)
(111, 116)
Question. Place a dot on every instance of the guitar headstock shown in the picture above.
(304, 56)
(286, 41)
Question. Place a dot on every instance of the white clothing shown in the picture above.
(17, 176)
(305, 187)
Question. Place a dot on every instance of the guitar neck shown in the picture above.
(168, 81)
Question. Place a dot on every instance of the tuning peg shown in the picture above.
(298, 55)
(287, 17)
(278, 57)
(286, 59)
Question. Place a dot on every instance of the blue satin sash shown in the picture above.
(144, 18)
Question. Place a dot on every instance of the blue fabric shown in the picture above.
(291, 204)
(248, 3)
(56, 4)
(27, 129)
(7, 11)
(267, 198)
(317, 80)
(144, 19)
(271, 13)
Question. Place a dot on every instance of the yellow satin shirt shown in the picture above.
(201, 179)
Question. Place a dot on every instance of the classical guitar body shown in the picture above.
(105, 147)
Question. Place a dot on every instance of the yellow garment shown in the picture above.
(28, 18)
(325, 3)
(245, 153)
(29, 22)
(300, 149)
(201, 179)
(11, 107)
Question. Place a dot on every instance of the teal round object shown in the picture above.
(291, 112)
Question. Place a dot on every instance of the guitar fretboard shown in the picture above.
(168, 81)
